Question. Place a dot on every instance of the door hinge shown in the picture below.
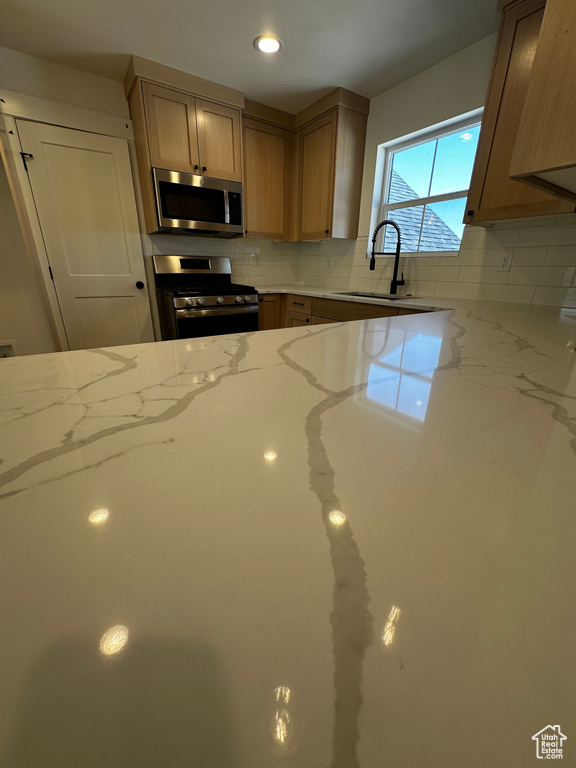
(51, 275)
(24, 156)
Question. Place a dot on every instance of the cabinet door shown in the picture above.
(219, 140)
(269, 312)
(171, 123)
(493, 195)
(296, 319)
(266, 180)
(317, 158)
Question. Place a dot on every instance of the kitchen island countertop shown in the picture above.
(348, 545)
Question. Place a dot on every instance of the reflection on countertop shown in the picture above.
(311, 546)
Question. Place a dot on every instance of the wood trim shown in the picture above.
(545, 140)
(30, 226)
(339, 97)
(295, 189)
(350, 145)
(159, 74)
(265, 114)
(568, 197)
(54, 113)
(482, 182)
(343, 311)
(143, 159)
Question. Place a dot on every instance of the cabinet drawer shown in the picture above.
(349, 310)
(298, 303)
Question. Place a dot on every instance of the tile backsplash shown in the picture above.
(254, 262)
(541, 252)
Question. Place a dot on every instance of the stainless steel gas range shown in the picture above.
(196, 297)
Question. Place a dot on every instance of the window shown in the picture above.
(424, 189)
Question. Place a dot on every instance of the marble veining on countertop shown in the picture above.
(349, 545)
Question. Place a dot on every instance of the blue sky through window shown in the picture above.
(442, 166)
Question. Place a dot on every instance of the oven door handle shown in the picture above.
(240, 310)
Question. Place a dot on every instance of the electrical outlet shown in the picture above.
(254, 259)
(505, 262)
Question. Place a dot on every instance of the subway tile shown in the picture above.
(457, 290)
(552, 235)
(468, 256)
(482, 275)
(528, 257)
(560, 256)
(446, 274)
(493, 256)
(555, 297)
(540, 275)
(473, 237)
(521, 294)
(501, 238)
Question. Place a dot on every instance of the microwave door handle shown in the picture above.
(227, 207)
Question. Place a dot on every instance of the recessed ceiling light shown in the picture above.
(267, 44)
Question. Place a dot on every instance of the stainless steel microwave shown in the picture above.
(197, 205)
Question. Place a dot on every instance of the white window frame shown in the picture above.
(385, 156)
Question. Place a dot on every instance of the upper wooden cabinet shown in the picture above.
(317, 144)
(181, 123)
(171, 128)
(192, 135)
(266, 180)
(329, 166)
(303, 172)
(493, 194)
(545, 151)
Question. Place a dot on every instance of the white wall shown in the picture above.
(451, 88)
(543, 250)
(21, 314)
(37, 77)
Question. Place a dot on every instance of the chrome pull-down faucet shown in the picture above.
(395, 282)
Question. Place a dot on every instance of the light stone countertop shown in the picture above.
(348, 545)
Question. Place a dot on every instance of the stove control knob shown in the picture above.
(238, 299)
(200, 301)
(247, 299)
(189, 302)
(220, 300)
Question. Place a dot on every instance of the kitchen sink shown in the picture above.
(388, 296)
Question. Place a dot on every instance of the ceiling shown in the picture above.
(367, 46)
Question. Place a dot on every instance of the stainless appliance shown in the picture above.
(189, 204)
(196, 297)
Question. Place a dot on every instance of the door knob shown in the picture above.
(140, 284)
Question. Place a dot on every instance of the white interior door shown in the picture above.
(84, 195)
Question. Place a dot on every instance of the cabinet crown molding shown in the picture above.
(152, 72)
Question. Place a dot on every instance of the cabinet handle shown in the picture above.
(327, 231)
(196, 167)
(307, 319)
(203, 167)
(469, 213)
(298, 303)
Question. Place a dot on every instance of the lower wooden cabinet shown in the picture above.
(291, 310)
(269, 311)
